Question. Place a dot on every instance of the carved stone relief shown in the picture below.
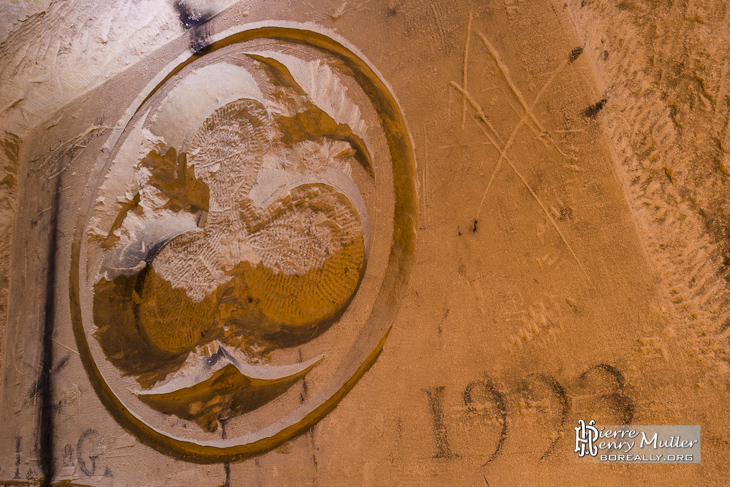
(242, 239)
(208, 270)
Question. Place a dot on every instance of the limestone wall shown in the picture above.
(360, 243)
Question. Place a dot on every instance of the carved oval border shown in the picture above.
(369, 342)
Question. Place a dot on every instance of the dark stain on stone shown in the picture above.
(575, 53)
(593, 110)
(45, 381)
(196, 22)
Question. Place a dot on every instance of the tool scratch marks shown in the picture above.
(539, 129)
(442, 33)
(466, 71)
(528, 116)
(480, 113)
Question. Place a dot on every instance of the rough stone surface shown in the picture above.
(571, 255)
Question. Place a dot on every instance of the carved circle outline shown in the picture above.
(384, 309)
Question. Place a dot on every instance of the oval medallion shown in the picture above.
(247, 243)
